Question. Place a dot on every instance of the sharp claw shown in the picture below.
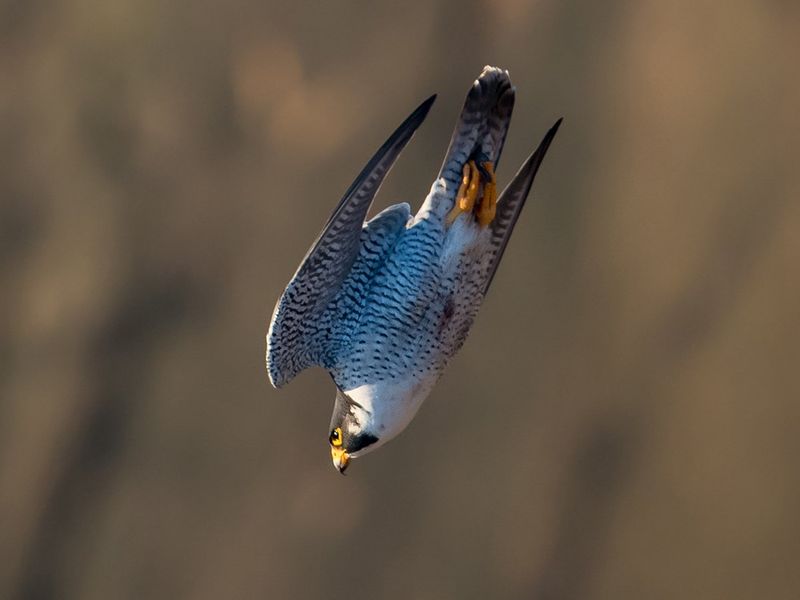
(488, 168)
(488, 207)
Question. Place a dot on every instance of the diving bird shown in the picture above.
(384, 304)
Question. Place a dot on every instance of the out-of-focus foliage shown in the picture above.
(624, 421)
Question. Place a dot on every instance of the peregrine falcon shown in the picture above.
(384, 304)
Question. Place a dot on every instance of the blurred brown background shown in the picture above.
(624, 420)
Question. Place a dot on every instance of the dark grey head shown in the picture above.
(350, 431)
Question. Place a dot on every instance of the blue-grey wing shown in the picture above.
(293, 342)
(511, 202)
(379, 240)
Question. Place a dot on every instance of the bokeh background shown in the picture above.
(624, 421)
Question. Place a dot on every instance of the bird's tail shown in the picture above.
(479, 136)
(481, 129)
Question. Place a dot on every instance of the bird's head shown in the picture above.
(352, 431)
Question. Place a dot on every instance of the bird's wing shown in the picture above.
(378, 238)
(511, 201)
(293, 341)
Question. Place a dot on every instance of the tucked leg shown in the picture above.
(467, 191)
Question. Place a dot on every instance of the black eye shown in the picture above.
(336, 437)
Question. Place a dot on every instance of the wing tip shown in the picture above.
(421, 112)
(556, 125)
(548, 137)
(536, 158)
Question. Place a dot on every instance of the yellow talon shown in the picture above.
(488, 206)
(467, 201)
(466, 174)
(469, 191)
(469, 187)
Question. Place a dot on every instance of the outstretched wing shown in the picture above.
(293, 340)
(511, 201)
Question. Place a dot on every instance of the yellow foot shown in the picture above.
(467, 191)
(488, 205)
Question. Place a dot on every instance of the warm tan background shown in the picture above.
(624, 421)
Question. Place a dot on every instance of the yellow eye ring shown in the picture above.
(336, 437)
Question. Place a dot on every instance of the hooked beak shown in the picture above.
(340, 459)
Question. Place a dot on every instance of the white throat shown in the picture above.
(388, 407)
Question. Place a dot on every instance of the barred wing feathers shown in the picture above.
(293, 339)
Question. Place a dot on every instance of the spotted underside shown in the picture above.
(395, 297)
